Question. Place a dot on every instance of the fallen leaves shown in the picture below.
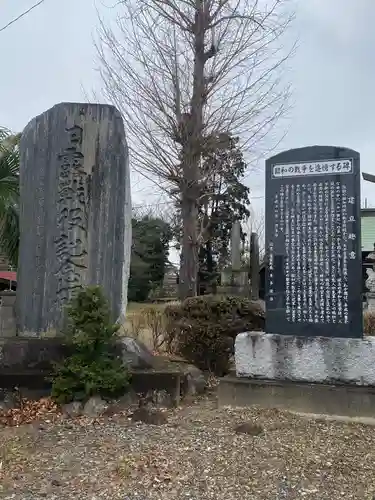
(196, 454)
(30, 411)
(155, 469)
(14, 455)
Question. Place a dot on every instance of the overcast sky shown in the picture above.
(48, 57)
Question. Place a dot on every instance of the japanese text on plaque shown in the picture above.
(316, 222)
(312, 168)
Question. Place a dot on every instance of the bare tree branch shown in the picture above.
(147, 69)
(187, 73)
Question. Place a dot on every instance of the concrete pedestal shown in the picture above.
(314, 360)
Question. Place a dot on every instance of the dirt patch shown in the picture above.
(197, 454)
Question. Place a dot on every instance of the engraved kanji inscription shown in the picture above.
(72, 218)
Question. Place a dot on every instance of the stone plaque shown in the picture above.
(75, 216)
(313, 235)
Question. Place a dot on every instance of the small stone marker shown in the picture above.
(75, 217)
(254, 266)
(314, 271)
(238, 275)
(236, 246)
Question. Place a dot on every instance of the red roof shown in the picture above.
(8, 275)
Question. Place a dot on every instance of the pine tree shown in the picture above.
(92, 367)
(149, 256)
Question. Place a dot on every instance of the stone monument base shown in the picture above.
(313, 399)
(314, 359)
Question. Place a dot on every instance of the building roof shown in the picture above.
(367, 229)
(8, 275)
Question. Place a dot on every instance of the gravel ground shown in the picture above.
(196, 455)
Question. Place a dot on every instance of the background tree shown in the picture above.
(150, 249)
(224, 202)
(186, 75)
(9, 195)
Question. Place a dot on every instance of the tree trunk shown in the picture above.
(189, 251)
(190, 156)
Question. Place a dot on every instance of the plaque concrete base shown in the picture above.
(313, 359)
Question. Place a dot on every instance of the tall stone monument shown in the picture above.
(314, 287)
(75, 216)
(313, 242)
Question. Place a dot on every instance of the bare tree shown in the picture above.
(186, 74)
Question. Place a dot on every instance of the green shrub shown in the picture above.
(203, 329)
(92, 368)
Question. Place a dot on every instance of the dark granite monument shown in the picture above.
(75, 216)
(313, 242)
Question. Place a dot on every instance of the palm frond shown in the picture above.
(9, 234)
(9, 195)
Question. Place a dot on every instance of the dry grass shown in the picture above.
(146, 323)
(196, 455)
(369, 323)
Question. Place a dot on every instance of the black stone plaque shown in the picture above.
(313, 242)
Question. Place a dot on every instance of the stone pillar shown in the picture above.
(75, 214)
(254, 266)
(236, 246)
(239, 276)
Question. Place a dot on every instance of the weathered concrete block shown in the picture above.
(75, 217)
(312, 359)
(21, 355)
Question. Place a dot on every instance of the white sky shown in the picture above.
(48, 57)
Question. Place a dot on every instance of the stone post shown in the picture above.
(254, 266)
(239, 276)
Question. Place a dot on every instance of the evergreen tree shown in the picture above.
(224, 201)
(92, 366)
(150, 249)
